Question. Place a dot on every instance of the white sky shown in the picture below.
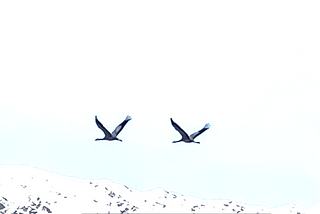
(251, 69)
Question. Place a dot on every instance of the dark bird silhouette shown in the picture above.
(185, 137)
(108, 135)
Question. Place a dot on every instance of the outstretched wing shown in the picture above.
(120, 126)
(180, 130)
(105, 131)
(194, 135)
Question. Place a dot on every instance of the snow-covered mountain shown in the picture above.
(25, 189)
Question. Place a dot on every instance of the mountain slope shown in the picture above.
(25, 189)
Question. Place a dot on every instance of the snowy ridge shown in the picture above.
(28, 190)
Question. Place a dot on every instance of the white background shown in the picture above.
(249, 68)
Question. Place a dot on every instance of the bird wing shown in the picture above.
(180, 130)
(120, 126)
(194, 135)
(105, 131)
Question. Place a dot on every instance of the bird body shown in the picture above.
(185, 137)
(114, 134)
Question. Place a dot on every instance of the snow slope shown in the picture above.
(25, 189)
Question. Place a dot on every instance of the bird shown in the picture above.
(188, 138)
(113, 135)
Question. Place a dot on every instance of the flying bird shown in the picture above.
(113, 135)
(185, 137)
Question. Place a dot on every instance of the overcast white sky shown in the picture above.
(249, 68)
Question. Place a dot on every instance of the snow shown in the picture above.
(24, 189)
